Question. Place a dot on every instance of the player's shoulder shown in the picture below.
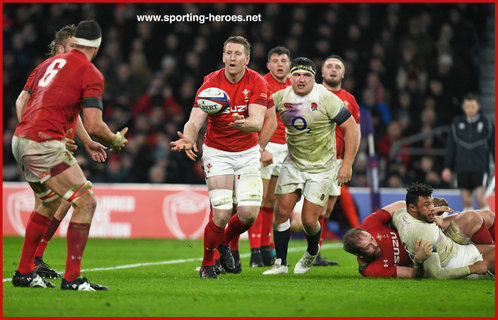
(214, 76)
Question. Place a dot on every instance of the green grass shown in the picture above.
(174, 289)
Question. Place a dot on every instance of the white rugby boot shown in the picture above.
(277, 268)
(304, 265)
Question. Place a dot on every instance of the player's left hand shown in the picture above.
(266, 158)
(96, 151)
(238, 121)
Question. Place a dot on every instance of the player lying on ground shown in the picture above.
(380, 252)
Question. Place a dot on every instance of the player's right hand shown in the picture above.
(186, 145)
(479, 267)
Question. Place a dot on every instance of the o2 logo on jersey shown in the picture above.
(51, 71)
(300, 124)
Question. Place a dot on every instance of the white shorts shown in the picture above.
(315, 186)
(279, 152)
(244, 165)
(335, 189)
(41, 160)
(466, 255)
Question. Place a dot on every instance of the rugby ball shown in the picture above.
(213, 100)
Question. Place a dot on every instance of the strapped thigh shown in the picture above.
(77, 191)
(47, 196)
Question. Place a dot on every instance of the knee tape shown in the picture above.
(221, 199)
(453, 231)
(47, 196)
(77, 191)
(283, 226)
(249, 189)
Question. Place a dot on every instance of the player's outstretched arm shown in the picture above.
(432, 267)
(98, 129)
(93, 148)
(188, 138)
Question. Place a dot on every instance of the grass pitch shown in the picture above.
(157, 278)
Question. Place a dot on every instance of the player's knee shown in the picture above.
(249, 190)
(221, 199)
(281, 226)
(81, 195)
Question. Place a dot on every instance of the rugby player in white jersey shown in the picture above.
(310, 113)
(449, 260)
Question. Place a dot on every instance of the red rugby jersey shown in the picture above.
(58, 88)
(252, 88)
(393, 252)
(352, 105)
(279, 135)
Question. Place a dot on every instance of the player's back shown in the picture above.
(57, 91)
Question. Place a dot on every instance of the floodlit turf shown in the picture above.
(155, 280)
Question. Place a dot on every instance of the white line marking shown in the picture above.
(146, 264)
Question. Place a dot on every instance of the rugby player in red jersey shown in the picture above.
(62, 43)
(231, 155)
(380, 252)
(62, 87)
(272, 157)
(333, 71)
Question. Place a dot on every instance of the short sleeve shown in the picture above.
(260, 91)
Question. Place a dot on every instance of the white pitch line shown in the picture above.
(146, 264)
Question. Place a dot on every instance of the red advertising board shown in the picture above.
(123, 211)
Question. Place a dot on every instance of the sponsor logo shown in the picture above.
(186, 214)
(395, 240)
(239, 109)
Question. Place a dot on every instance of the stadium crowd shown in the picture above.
(409, 64)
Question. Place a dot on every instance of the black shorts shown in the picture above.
(471, 180)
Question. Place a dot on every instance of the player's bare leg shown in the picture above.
(467, 199)
(323, 219)
(221, 196)
(72, 185)
(284, 205)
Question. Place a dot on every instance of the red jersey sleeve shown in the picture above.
(355, 109)
(29, 83)
(377, 269)
(92, 86)
(379, 217)
(260, 91)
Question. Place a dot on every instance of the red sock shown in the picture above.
(234, 243)
(255, 232)
(266, 225)
(323, 226)
(212, 238)
(52, 227)
(347, 205)
(235, 228)
(35, 229)
(77, 235)
(482, 235)
(492, 231)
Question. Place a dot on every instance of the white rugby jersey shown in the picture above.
(411, 229)
(310, 126)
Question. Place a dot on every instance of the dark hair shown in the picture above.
(471, 96)
(303, 61)
(240, 40)
(350, 240)
(88, 29)
(416, 190)
(279, 51)
(334, 56)
(60, 37)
